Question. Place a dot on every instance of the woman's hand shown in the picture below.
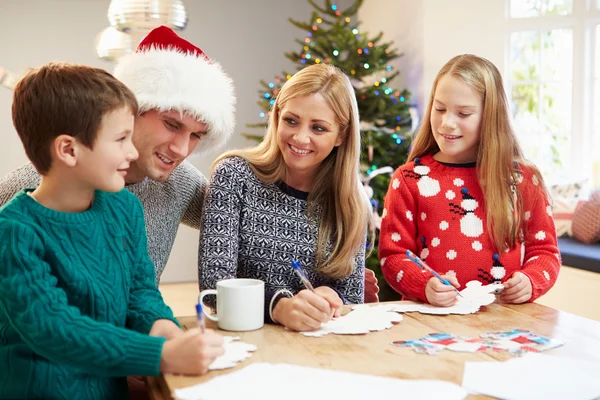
(307, 310)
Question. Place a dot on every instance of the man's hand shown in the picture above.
(371, 288)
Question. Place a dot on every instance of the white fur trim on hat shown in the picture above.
(169, 80)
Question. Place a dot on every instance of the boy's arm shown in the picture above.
(39, 312)
(398, 233)
(541, 262)
(147, 312)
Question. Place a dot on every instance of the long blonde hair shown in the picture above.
(498, 149)
(346, 210)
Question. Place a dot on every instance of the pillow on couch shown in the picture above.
(586, 220)
(565, 200)
(562, 212)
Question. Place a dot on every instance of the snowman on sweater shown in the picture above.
(470, 224)
(496, 273)
(428, 187)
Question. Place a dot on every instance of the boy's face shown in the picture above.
(104, 167)
(164, 140)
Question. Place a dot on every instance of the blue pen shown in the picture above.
(421, 264)
(200, 317)
(303, 278)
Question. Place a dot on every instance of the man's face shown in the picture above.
(163, 140)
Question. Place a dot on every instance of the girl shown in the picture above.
(296, 196)
(467, 202)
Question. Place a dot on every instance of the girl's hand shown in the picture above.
(517, 289)
(439, 294)
(307, 310)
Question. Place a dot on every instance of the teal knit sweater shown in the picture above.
(77, 299)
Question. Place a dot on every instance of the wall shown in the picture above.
(431, 32)
(247, 37)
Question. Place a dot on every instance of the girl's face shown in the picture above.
(456, 117)
(307, 132)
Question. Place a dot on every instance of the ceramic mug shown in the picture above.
(240, 304)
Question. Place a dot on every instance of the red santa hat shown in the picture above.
(169, 73)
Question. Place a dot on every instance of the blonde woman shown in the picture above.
(467, 202)
(296, 196)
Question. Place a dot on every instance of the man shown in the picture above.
(187, 104)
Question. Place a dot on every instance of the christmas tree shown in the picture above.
(333, 37)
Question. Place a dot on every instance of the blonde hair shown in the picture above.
(346, 210)
(497, 152)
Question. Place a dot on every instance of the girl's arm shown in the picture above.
(39, 311)
(541, 262)
(219, 233)
(398, 233)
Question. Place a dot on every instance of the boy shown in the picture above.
(79, 309)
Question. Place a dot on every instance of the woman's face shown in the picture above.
(307, 132)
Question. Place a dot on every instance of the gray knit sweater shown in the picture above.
(166, 204)
(251, 229)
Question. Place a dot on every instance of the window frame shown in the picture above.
(582, 22)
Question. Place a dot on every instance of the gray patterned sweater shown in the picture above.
(166, 204)
(251, 229)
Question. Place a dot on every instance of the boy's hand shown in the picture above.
(165, 328)
(307, 310)
(191, 353)
(517, 289)
(439, 294)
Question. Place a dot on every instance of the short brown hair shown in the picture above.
(62, 98)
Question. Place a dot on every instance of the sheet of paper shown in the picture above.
(361, 320)
(534, 376)
(267, 381)
(474, 296)
(235, 351)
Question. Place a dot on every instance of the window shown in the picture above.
(553, 82)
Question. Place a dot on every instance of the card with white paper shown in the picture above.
(361, 320)
(474, 296)
(235, 351)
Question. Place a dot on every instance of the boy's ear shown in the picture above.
(64, 150)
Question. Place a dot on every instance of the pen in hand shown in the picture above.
(421, 264)
(302, 276)
(200, 318)
(305, 281)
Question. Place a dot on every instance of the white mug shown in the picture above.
(240, 304)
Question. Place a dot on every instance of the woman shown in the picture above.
(296, 196)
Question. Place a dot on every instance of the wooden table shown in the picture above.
(373, 354)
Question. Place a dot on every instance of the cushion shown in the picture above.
(586, 220)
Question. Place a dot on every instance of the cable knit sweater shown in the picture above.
(166, 204)
(253, 230)
(78, 299)
(437, 211)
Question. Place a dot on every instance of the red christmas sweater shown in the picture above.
(437, 211)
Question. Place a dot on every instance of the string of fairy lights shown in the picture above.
(378, 87)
